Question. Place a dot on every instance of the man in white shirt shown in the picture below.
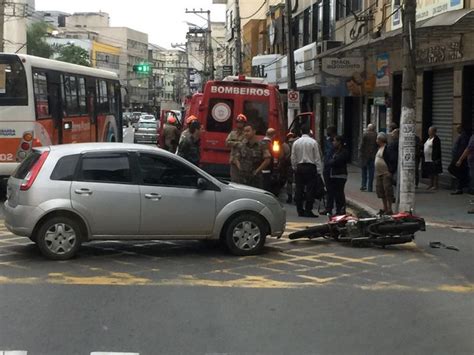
(307, 164)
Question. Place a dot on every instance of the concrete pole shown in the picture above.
(290, 57)
(211, 51)
(2, 25)
(407, 143)
(238, 38)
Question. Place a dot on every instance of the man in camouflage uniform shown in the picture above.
(189, 144)
(234, 141)
(251, 159)
(171, 134)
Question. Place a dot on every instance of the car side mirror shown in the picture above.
(202, 184)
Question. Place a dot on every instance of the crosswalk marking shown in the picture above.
(21, 352)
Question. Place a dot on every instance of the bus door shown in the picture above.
(56, 107)
(92, 107)
(76, 125)
(218, 123)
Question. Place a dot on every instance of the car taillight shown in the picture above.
(33, 173)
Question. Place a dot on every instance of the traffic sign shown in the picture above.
(293, 100)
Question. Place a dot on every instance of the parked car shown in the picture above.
(147, 118)
(62, 196)
(146, 132)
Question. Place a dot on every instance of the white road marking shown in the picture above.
(110, 353)
(13, 352)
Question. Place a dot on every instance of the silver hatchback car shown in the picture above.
(62, 196)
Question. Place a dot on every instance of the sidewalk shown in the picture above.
(438, 208)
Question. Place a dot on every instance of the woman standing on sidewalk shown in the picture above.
(338, 174)
(432, 165)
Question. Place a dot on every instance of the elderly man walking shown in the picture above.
(367, 151)
(307, 164)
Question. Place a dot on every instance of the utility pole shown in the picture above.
(238, 37)
(290, 58)
(407, 142)
(2, 24)
(209, 53)
(185, 46)
(209, 39)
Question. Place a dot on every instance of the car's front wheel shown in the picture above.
(59, 238)
(245, 235)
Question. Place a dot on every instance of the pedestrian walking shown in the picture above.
(331, 132)
(461, 172)
(267, 173)
(189, 143)
(234, 141)
(286, 165)
(367, 151)
(469, 156)
(307, 164)
(251, 159)
(338, 174)
(171, 134)
(384, 170)
(432, 165)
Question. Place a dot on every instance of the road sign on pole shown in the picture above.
(293, 100)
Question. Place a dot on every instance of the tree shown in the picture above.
(35, 40)
(73, 54)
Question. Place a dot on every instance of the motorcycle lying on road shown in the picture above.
(381, 230)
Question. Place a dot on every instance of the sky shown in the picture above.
(163, 20)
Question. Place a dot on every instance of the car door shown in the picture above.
(171, 203)
(106, 194)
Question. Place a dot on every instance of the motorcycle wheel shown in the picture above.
(311, 232)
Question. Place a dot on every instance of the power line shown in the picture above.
(256, 12)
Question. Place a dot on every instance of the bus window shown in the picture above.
(102, 97)
(82, 95)
(40, 87)
(220, 115)
(70, 94)
(257, 115)
(13, 90)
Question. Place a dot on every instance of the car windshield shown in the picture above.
(147, 125)
(148, 118)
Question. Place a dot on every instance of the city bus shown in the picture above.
(45, 102)
(218, 106)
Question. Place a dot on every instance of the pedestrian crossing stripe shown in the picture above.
(21, 352)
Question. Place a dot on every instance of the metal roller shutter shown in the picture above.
(442, 111)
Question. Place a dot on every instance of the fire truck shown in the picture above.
(219, 104)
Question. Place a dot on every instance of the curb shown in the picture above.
(372, 212)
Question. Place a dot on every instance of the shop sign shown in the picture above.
(425, 9)
(439, 53)
(342, 77)
(383, 72)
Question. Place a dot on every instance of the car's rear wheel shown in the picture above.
(59, 238)
(245, 235)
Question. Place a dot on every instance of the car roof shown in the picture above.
(96, 147)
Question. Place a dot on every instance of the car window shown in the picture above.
(65, 168)
(257, 114)
(111, 168)
(26, 165)
(163, 171)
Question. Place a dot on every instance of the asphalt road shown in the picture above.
(312, 297)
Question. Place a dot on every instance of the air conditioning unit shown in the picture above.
(327, 45)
